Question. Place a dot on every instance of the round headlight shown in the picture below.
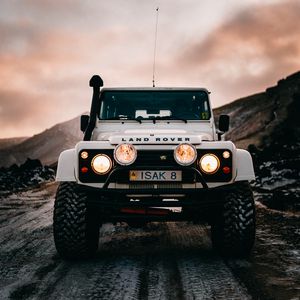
(185, 154)
(209, 163)
(125, 154)
(101, 164)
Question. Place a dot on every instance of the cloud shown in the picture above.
(248, 53)
(49, 50)
(14, 110)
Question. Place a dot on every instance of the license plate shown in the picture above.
(155, 175)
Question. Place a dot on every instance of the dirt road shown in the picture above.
(163, 261)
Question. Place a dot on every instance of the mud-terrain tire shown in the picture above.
(233, 231)
(75, 227)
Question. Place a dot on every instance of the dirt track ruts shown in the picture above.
(162, 261)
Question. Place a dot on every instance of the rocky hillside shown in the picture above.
(10, 142)
(45, 146)
(264, 118)
(268, 124)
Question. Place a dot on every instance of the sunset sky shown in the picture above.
(49, 49)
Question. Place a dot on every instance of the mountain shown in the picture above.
(264, 118)
(9, 142)
(45, 146)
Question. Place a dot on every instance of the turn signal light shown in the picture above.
(84, 155)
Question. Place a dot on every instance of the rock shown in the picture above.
(29, 174)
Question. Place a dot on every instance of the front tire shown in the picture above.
(75, 227)
(233, 232)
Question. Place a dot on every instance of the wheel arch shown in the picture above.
(244, 166)
(66, 166)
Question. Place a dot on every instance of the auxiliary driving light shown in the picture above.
(125, 154)
(101, 164)
(209, 163)
(185, 154)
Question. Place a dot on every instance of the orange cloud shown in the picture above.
(48, 54)
(248, 53)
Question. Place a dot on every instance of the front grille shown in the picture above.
(155, 158)
(138, 186)
(167, 185)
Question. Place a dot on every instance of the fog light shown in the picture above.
(125, 154)
(185, 154)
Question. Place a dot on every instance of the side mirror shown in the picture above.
(224, 123)
(84, 121)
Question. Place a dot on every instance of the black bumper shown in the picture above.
(187, 197)
(111, 201)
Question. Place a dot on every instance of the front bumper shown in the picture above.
(195, 204)
(145, 197)
(112, 201)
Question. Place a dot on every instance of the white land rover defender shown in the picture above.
(145, 151)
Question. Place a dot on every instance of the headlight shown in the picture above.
(101, 164)
(209, 163)
(185, 154)
(125, 154)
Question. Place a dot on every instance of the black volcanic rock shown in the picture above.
(29, 174)
(277, 167)
(30, 164)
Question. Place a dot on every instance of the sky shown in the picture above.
(49, 50)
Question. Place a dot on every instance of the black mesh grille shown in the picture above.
(155, 158)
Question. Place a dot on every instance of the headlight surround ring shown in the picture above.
(101, 164)
(209, 163)
(125, 154)
(185, 154)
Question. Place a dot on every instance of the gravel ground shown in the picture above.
(162, 261)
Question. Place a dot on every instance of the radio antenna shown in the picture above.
(154, 54)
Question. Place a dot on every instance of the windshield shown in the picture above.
(169, 104)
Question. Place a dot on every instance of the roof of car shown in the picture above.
(152, 89)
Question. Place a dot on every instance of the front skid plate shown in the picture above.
(196, 203)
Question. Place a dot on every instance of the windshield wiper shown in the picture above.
(123, 118)
(170, 118)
